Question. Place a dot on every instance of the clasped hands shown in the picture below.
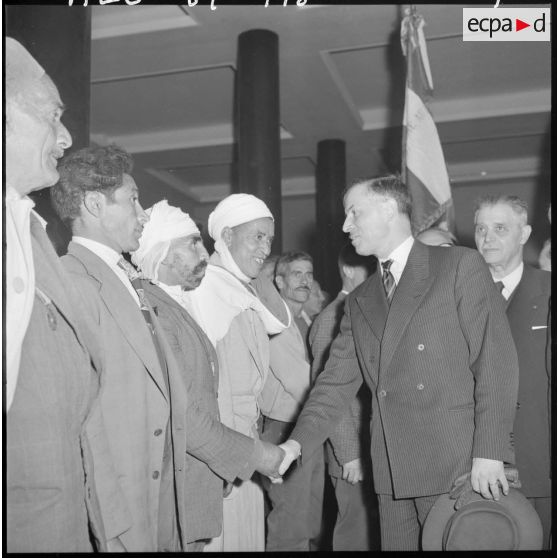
(273, 461)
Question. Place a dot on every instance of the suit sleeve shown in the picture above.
(228, 453)
(492, 360)
(334, 390)
(345, 439)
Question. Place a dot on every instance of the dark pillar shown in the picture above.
(330, 183)
(59, 38)
(257, 121)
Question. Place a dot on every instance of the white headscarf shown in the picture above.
(234, 210)
(166, 223)
(22, 73)
(220, 297)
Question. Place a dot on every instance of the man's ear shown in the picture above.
(389, 207)
(94, 202)
(226, 235)
(525, 233)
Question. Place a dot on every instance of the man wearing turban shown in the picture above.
(50, 384)
(173, 258)
(238, 325)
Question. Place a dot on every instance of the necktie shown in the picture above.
(134, 277)
(500, 287)
(388, 280)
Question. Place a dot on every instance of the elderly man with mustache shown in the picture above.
(173, 259)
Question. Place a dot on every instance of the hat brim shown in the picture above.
(515, 504)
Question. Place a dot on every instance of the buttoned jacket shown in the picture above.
(440, 363)
(135, 404)
(215, 452)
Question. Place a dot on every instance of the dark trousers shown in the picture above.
(357, 516)
(543, 507)
(401, 521)
(295, 518)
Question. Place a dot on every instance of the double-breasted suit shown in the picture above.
(135, 404)
(528, 311)
(440, 363)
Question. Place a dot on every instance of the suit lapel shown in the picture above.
(53, 284)
(123, 310)
(373, 305)
(527, 291)
(413, 285)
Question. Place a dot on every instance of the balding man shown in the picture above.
(238, 324)
(173, 259)
(501, 231)
(49, 380)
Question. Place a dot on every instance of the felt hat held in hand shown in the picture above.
(464, 520)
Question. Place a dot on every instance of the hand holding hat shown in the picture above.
(462, 490)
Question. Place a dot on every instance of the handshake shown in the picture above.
(272, 461)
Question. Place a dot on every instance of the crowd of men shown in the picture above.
(161, 399)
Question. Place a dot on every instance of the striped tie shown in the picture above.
(500, 287)
(388, 280)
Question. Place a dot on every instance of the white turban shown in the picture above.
(166, 223)
(234, 210)
(21, 69)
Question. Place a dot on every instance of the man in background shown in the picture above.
(501, 231)
(295, 518)
(348, 448)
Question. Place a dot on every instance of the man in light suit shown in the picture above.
(143, 395)
(429, 335)
(501, 231)
(348, 448)
(50, 384)
(172, 256)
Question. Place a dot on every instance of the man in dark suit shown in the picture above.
(348, 448)
(173, 259)
(429, 335)
(501, 231)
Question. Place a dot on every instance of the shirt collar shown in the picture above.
(511, 280)
(106, 253)
(399, 256)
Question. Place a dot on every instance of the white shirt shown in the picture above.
(511, 280)
(111, 258)
(399, 256)
(19, 281)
